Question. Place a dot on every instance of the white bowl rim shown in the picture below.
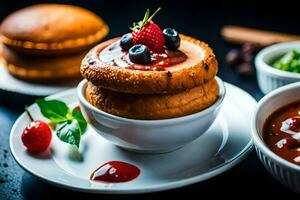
(257, 140)
(222, 91)
(261, 65)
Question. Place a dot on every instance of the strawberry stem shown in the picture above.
(150, 18)
(145, 20)
(139, 25)
(28, 113)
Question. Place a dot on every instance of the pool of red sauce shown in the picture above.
(159, 61)
(282, 143)
(115, 172)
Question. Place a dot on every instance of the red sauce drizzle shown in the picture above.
(114, 55)
(161, 61)
(115, 172)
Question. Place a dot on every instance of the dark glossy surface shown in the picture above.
(280, 142)
(202, 21)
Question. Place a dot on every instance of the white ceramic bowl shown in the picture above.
(270, 78)
(150, 136)
(284, 171)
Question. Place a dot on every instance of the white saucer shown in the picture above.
(224, 145)
(13, 84)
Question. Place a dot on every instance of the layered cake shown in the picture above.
(151, 73)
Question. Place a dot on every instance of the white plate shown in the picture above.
(13, 84)
(225, 144)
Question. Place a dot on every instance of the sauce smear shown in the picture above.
(115, 172)
(115, 56)
(281, 132)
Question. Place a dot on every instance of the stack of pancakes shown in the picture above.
(47, 42)
(176, 91)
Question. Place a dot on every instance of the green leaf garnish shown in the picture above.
(139, 25)
(69, 124)
(54, 110)
(76, 114)
(69, 132)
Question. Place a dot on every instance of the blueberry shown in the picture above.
(172, 39)
(126, 41)
(139, 54)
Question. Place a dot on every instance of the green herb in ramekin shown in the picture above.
(288, 62)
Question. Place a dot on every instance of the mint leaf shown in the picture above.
(69, 125)
(56, 111)
(69, 132)
(76, 114)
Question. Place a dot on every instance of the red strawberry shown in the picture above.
(36, 137)
(148, 33)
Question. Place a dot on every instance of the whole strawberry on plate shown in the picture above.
(36, 137)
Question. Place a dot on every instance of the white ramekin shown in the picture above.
(150, 136)
(270, 78)
(286, 172)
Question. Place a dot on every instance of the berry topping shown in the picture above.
(172, 39)
(148, 33)
(139, 54)
(126, 42)
(36, 137)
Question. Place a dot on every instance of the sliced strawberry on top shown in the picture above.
(146, 32)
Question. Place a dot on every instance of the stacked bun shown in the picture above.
(47, 42)
(174, 91)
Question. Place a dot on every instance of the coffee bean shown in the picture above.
(248, 57)
(233, 57)
(245, 69)
(249, 48)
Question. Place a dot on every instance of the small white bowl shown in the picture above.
(286, 172)
(270, 78)
(150, 136)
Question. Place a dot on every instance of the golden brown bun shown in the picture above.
(42, 68)
(52, 27)
(200, 66)
(159, 106)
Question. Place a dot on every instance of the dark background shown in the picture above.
(201, 19)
